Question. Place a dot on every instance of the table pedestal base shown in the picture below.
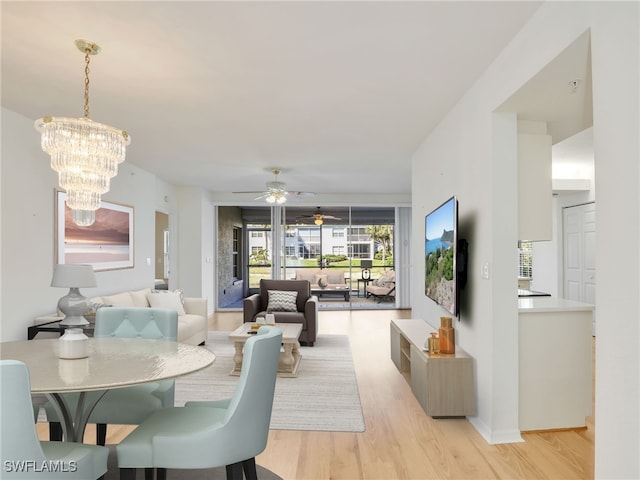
(287, 365)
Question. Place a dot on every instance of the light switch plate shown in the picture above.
(485, 270)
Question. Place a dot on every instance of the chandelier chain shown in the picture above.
(86, 82)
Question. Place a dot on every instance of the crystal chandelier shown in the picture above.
(86, 154)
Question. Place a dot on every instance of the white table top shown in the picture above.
(112, 363)
(290, 332)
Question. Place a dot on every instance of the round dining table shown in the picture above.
(110, 363)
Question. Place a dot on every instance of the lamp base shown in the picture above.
(73, 305)
(74, 321)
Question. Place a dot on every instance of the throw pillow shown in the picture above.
(167, 299)
(123, 299)
(140, 297)
(282, 301)
(321, 280)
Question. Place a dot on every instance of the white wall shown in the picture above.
(27, 222)
(195, 244)
(468, 155)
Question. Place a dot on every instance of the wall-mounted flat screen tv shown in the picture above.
(441, 252)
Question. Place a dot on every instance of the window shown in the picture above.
(360, 250)
(338, 250)
(338, 233)
(235, 248)
(525, 259)
(257, 234)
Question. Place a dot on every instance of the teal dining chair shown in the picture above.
(230, 432)
(130, 405)
(23, 454)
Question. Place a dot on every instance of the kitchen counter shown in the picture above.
(551, 304)
(555, 363)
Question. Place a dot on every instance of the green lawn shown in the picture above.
(264, 271)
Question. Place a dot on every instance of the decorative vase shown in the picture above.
(447, 336)
(434, 344)
(73, 344)
(322, 282)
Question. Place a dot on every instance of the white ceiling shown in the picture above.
(215, 94)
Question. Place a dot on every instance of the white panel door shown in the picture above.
(579, 224)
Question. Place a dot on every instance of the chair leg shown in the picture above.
(249, 467)
(162, 473)
(234, 471)
(127, 474)
(101, 433)
(55, 431)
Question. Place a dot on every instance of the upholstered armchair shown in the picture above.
(292, 302)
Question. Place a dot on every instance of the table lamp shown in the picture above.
(366, 266)
(73, 304)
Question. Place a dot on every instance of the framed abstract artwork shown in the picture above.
(107, 244)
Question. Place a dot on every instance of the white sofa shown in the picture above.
(333, 278)
(192, 312)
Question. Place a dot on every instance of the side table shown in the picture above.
(366, 282)
(51, 323)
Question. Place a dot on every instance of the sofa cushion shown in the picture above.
(306, 275)
(336, 278)
(282, 301)
(167, 299)
(123, 299)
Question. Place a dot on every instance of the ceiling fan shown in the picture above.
(276, 191)
(318, 217)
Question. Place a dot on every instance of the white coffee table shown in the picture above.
(289, 356)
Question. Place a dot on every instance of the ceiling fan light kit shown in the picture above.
(276, 192)
(318, 217)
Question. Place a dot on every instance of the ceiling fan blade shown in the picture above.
(278, 189)
(301, 194)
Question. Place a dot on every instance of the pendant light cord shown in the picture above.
(86, 82)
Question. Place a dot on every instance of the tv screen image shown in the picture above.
(441, 241)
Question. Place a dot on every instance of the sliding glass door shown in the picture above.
(351, 246)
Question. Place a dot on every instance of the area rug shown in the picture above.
(323, 397)
(219, 473)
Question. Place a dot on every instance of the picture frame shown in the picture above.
(107, 244)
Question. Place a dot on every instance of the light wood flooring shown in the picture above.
(401, 441)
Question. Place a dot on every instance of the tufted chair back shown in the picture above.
(137, 322)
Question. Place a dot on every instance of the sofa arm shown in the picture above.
(311, 314)
(196, 306)
(251, 306)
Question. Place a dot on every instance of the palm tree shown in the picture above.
(382, 234)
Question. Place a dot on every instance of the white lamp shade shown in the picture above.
(73, 276)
